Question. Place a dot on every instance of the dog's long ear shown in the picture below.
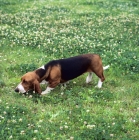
(37, 87)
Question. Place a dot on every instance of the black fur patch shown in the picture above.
(40, 72)
(73, 67)
(70, 67)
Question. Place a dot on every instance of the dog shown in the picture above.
(61, 71)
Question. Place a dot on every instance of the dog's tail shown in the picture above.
(106, 67)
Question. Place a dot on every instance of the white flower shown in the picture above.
(22, 132)
(71, 138)
(20, 120)
(77, 106)
(61, 127)
(90, 126)
(39, 126)
(11, 137)
(40, 121)
(85, 122)
(35, 131)
(30, 96)
(66, 126)
(14, 121)
(111, 135)
(62, 93)
(4, 112)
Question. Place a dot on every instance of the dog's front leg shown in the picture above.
(50, 87)
(48, 90)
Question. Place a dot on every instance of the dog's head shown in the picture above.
(29, 81)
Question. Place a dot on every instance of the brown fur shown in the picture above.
(31, 81)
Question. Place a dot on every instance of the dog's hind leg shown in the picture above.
(99, 85)
(100, 81)
(99, 73)
(89, 77)
(101, 77)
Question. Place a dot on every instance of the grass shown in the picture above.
(34, 32)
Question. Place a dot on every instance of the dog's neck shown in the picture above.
(40, 72)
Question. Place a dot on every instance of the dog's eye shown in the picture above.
(25, 82)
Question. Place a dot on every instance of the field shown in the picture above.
(34, 32)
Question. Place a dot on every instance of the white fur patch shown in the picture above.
(106, 67)
(89, 77)
(44, 82)
(65, 83)
(42, 67)
(99, 85)
(48, 89)
(21, 88)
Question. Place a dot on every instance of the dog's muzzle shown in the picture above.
(20, 89)
(16, 90)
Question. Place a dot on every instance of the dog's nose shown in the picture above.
(16, 90)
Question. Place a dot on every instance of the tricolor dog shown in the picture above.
(61, 71)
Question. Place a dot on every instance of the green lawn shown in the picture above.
(33, 32)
